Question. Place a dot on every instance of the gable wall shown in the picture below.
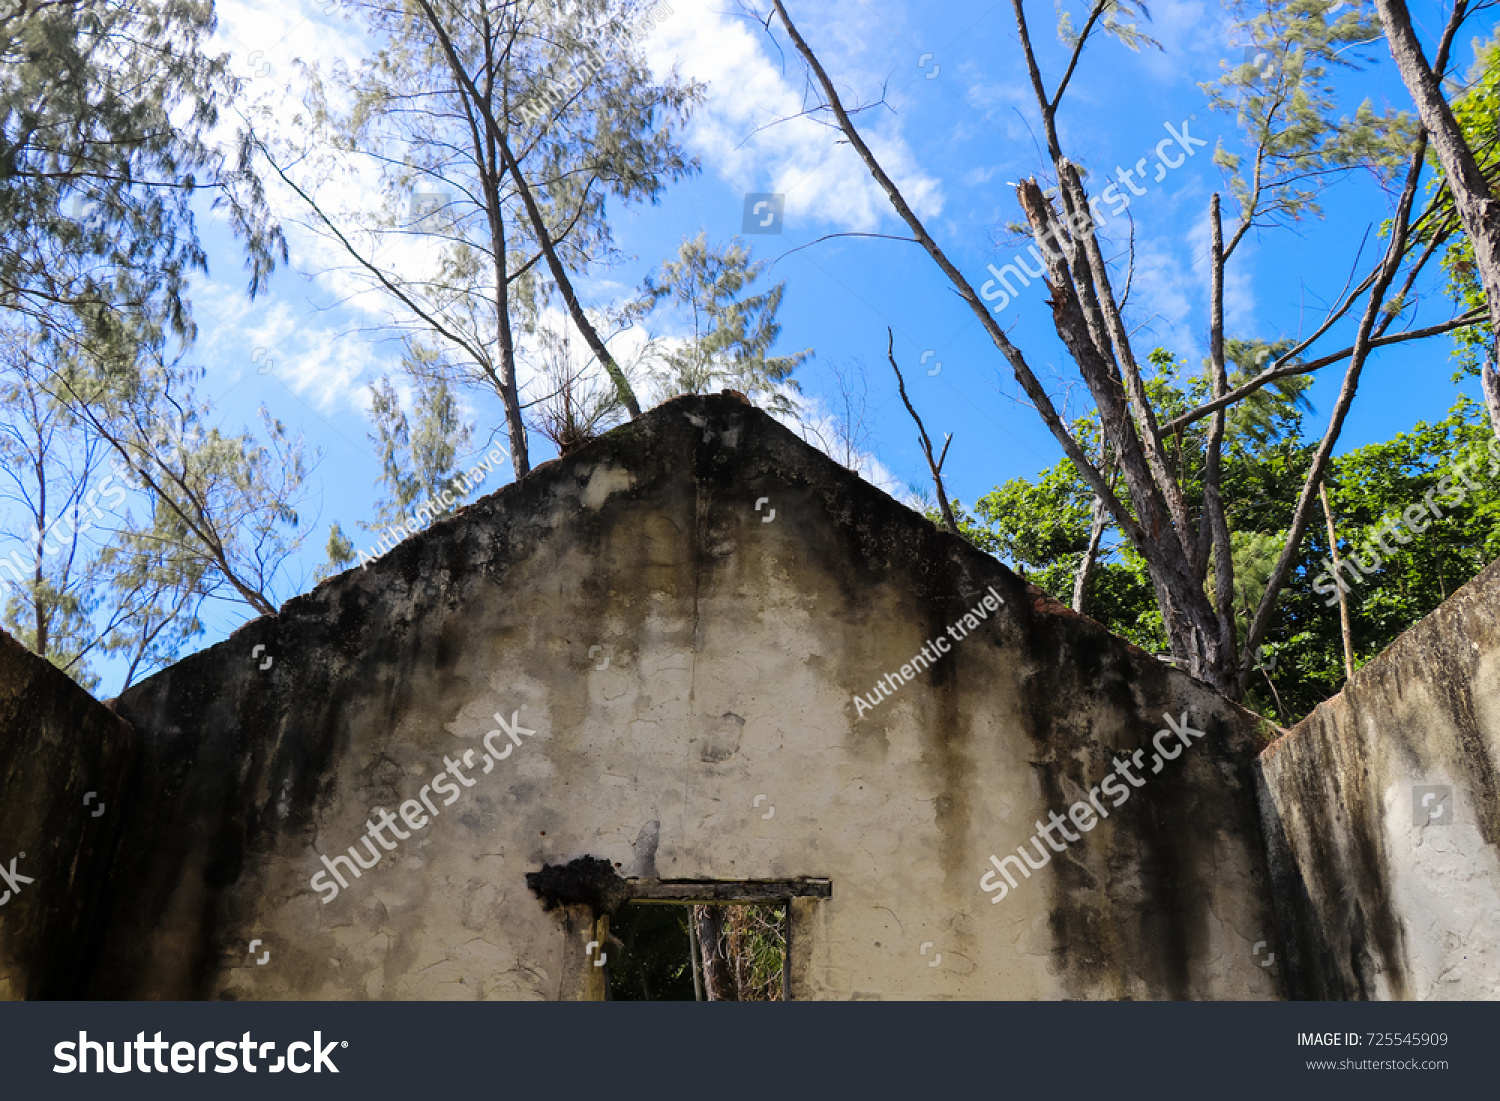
(734, 648)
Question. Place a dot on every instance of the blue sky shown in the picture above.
(957, 125)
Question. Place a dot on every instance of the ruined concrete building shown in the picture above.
(699, 660)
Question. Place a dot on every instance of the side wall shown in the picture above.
(1383, 814)
(65, 765)
(688, 663)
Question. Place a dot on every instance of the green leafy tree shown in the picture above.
(418, 454)
(137, 511)
(220, 508)
(730, 331)
(341, 552)
(486, 176)
(1418, 570)
(49, 568)
(157, 593)
(106, 112)
(419, 451)
(111, 120)
(1042, 527)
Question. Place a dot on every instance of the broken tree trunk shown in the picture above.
(1477, 210)
(718, 975)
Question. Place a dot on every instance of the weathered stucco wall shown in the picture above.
(1383, 814)
(64, 759)
(688, 661)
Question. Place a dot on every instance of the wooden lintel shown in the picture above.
(726, 890)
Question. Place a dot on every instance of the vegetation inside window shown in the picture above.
(686, 952)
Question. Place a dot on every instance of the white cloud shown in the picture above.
(1194, 37)
(327, 358)
(265, 41)
(1239, 284)
(1164, 294)
(737, 133)
(314, 357)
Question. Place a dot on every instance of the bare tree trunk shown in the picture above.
(1215, 524)
(38, 603)
(1170, 551)
(1333, 550)
(1084, 578)
(1189, 618)
(1490, 379)
(1025, 376)
(696, 951)
(504, 379)
(533, 212)
(1085, 573)
(565, 285)
(934, 465)
(718, 975)
(1477, 209)
(510, 395)
(1400, 229)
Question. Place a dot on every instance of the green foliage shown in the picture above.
(731, 331)
(1286, 109)
(1269, 414)
(1041, 528)
(451, 243)
(650, 954)
(140, 509)
(756, 942)
(105, 115)
(418, 454)
(1042, 532)
(221, 508)
(1254, 554)
(220, 520)
(1377, 482)
(1120, 19)
(111, 122)
(341, 552)
(650, 958)
(419, 451)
